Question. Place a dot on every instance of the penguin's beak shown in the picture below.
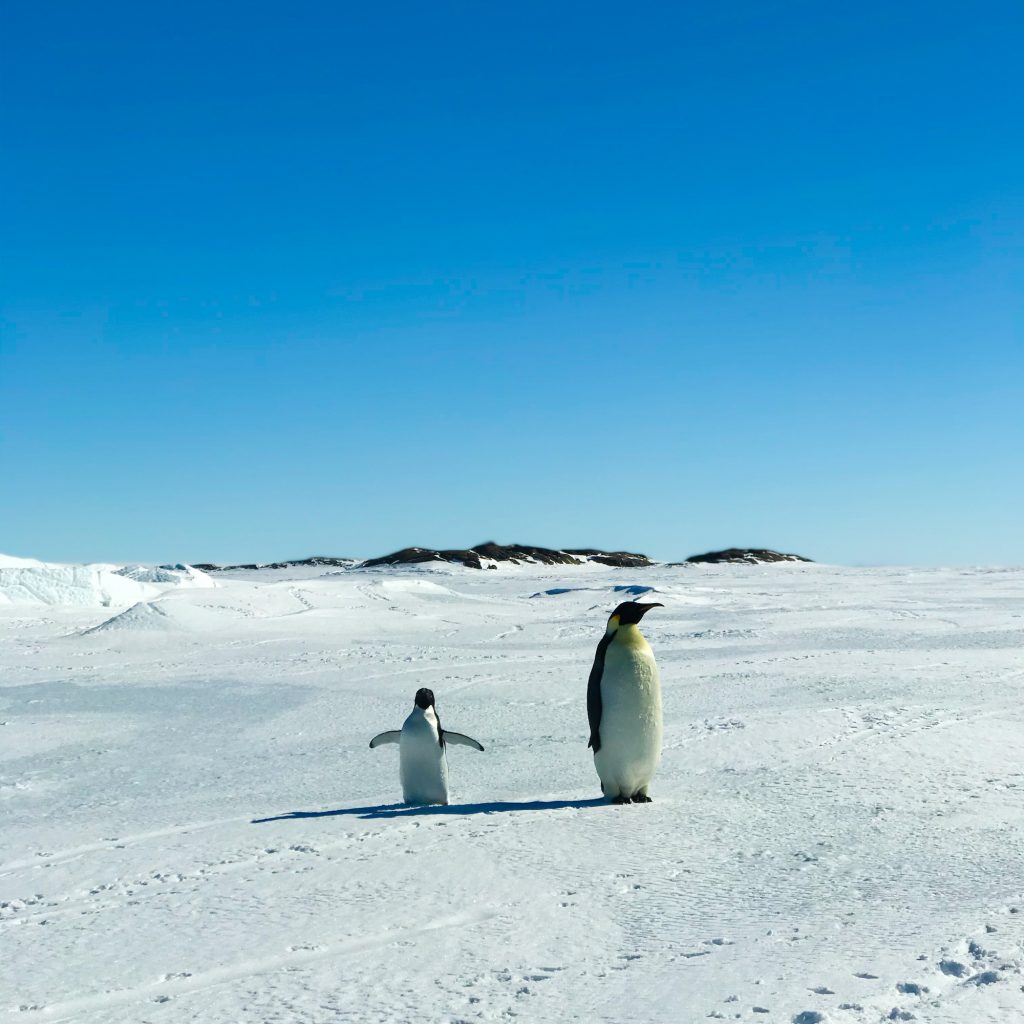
(643, 609)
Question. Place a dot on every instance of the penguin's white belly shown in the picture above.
(423, 767)
(631, 723)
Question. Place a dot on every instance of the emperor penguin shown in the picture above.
(423, 765)
(624, 707)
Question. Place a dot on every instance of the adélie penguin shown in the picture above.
(624, 707)
(423, 764)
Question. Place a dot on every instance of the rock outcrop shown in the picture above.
(480, 556)
(490, 553)
(742, 556)
(315, 560)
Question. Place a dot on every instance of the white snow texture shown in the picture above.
(194, 827)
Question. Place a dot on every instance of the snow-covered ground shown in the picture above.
(194, 828)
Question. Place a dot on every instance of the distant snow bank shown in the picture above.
(14, 562)
(25, 581)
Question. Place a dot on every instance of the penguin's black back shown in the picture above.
(594, 692)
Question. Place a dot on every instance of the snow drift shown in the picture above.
(835, 835)
(140, 616)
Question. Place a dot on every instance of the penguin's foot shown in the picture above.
(640, 798)
(620, 799)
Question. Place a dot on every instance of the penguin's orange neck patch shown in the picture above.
(613, 624)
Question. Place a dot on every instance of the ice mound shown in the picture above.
(175, 575)
(78, 585)
(141, 616)
(148, 574)
(27, 581)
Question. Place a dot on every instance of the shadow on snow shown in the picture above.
(407, 811)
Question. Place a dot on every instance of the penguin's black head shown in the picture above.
(424, 698)
(629, 613)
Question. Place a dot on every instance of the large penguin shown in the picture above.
(423, 766)
(624, 707)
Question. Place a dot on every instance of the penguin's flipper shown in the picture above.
(393, 736)
(462, 741)
(594, 693)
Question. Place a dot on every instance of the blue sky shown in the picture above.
(283, 279)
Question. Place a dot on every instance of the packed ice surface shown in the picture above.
(194, 828)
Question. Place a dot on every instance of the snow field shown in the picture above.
(195, 830)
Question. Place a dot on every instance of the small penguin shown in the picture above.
(624, 707)
(423, 766)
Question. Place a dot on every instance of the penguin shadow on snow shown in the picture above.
(409, 811)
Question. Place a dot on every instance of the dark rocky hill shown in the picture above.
(327, 560)
(514, 553)
(742, 556)
(475, 558)
(489, 552)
